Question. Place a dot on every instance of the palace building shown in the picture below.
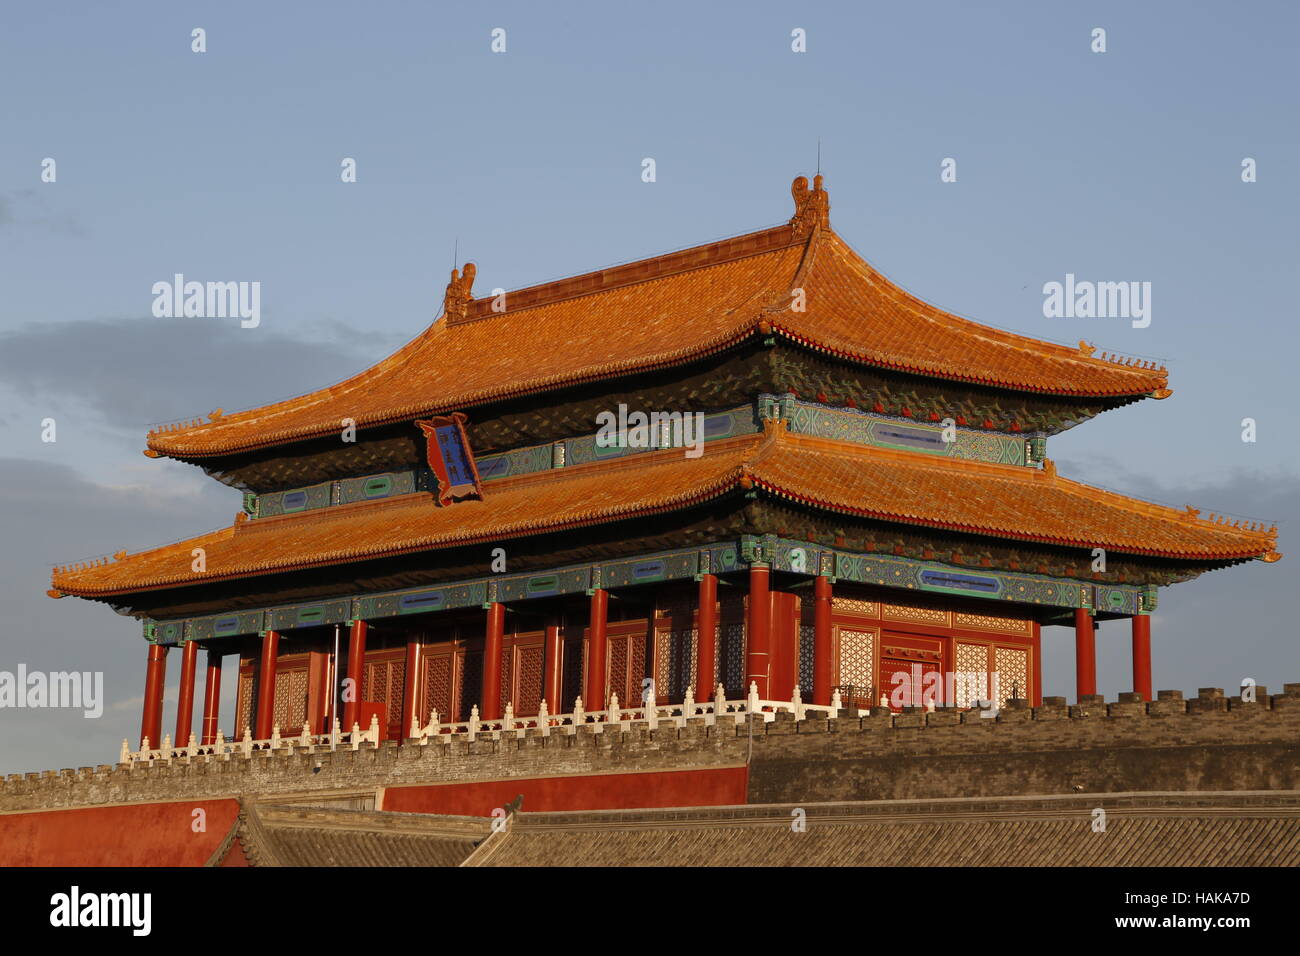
(448, 540)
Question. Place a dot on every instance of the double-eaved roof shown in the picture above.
(799, 281)
(1009, 502)
(673, 309)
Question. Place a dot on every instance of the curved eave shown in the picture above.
(159, 446)
(885, 516)
(483, 397)
(349, 555)
(867, 359)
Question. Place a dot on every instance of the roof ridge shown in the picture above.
(637, 271)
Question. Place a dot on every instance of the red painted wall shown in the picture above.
(144, 834)
(616, 791)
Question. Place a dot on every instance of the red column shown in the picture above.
(552, 688)
(211, 699)
(185, 703)
(1085, 653)
(265, 720)
(154, 676)
(411, 690)
(489, 706)
(759, 639)
(594, 698)
(356, 669)
(821, 689)
(1142, 655)
(706, 650)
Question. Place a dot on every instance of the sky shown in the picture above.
(1123, 165)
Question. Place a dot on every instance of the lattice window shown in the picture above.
(437, 686)
(291, 700)
(857, 658)
(636, 669)
(243, 706)
(396, 692)
(731, 660)
(855, 606)
(374, 682)
(507, 683)
(530, 680)
(971, 680)
(471, 684)
(924, 615)
(1012, 667)
(617, 683)
(806, 633)
(675, 653)
(986, 622)
(575, 653)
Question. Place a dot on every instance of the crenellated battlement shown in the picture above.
(1210, 742)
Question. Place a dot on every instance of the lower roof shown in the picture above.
(1143, 829)
(1007, 502)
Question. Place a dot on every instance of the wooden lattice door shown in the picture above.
(384, 682)
(628, 664)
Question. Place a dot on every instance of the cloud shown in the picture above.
(53, 514)
(28, 210)
(130, 372)
(1218, 629)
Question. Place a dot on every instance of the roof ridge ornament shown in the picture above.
(456, 300)
(812, 207)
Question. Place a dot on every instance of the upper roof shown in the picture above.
(1002, 501)
(664, 311)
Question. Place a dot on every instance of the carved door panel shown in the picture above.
(440, 664)
(628, 666)
(384, 682)
(292, 689)
(525, 654)
(574, 667)
(854, 656)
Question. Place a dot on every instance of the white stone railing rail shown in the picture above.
(304, 742)
(615, 717)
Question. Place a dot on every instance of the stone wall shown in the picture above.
(1205, 743)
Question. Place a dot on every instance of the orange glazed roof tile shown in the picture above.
(663, 311)
(1002, 501)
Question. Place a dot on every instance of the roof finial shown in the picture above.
(819, 156)
(811, 206)
(455, 304)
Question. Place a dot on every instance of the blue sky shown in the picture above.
(225, 165)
